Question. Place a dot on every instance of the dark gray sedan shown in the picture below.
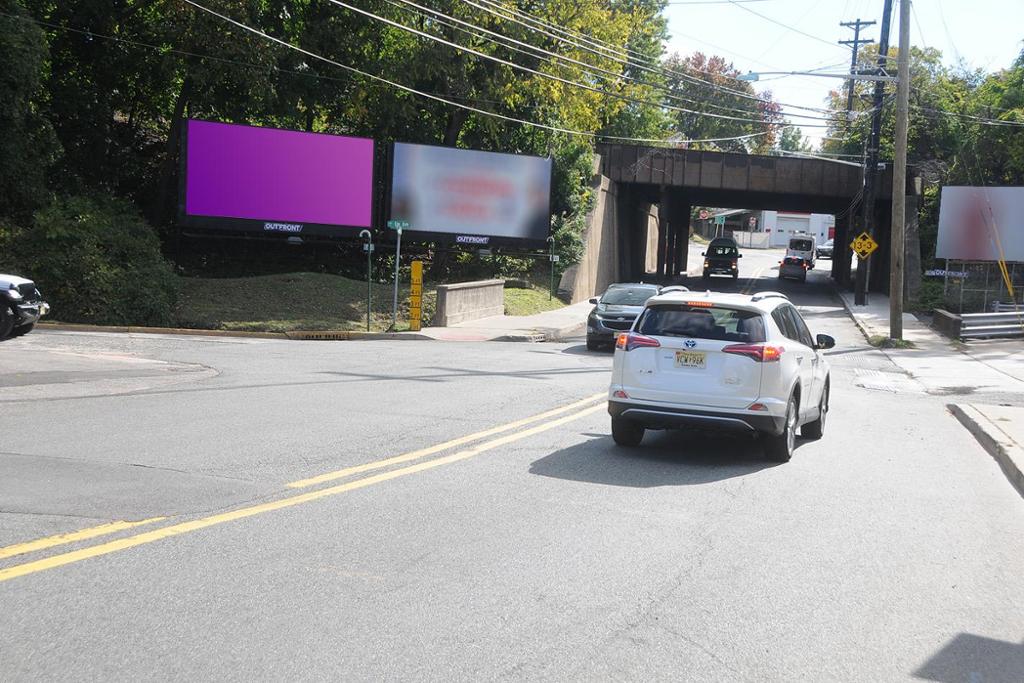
(615, 310)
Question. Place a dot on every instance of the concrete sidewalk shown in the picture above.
(947, 368)
(557, 325)
(941, 365)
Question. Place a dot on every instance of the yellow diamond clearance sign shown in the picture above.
(863, 245)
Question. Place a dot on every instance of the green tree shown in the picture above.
(791, 139)
(703, 81)
(27, 143)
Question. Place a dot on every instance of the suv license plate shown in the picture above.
(690, 359)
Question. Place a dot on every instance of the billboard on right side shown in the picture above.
(981, 224)
(471, 197)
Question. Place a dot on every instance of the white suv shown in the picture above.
(732, 362)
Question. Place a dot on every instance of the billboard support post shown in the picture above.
(551, 258)
(368, 248)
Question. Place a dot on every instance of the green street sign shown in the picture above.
(719, 220)
(398, 225)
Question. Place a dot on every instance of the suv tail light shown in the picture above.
(761, 353)
(630, 341)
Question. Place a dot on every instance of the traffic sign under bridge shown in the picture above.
(863, 245)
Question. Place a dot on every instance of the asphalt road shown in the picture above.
(435, 531)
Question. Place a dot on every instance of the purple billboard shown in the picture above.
(248, 178)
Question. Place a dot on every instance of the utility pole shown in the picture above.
(871, 167)
(855, 46)
(899, 178)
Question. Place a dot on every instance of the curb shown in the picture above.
(326, 335)
(132, 329)
(351, 335)
(1006, 452)
(853, 316)
(574, 330)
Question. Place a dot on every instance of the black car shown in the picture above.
(722, 258)
(825, 250)
(615, 310)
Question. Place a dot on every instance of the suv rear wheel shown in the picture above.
(626, 433)
(814, 430)
(780, 448)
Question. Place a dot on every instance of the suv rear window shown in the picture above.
(722, 250)
(800, 245)
(701, 322)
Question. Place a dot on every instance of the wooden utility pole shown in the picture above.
(855, 46)
(899, 178)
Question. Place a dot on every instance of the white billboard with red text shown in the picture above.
(471, 197)
(981, 224)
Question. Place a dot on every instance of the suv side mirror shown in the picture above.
(593, 300)
(703, 253)
(739, 255)
(825, 341)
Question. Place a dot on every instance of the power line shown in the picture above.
(779, 23)
(163, 49)
(559, 79)
(443, 100)
(620, 55)
(544, 54)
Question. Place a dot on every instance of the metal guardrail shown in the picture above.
(984, 325)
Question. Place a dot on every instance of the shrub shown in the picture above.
(96, 261)
(929, 298)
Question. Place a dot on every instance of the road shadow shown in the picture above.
(975, 658)
(440, 374)
(666, 458)
(581, 350)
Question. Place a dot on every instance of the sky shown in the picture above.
(985, 34)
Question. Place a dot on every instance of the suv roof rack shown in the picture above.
(673, 288)
(760, 296)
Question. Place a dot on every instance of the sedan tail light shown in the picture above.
(761, 353)
(630, 341)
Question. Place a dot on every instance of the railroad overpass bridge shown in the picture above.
(633, 179)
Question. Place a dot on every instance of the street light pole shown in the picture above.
(394, 302)
(899, 178)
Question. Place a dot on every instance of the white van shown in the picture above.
(802, 246)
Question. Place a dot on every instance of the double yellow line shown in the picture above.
(547, 420)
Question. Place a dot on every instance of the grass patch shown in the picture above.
(699, 239)
(527, 301)
(316, 301)
(882, 342)
(291, 301)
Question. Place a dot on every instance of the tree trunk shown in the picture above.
(163, 206)
(456, 121)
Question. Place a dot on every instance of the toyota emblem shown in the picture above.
(689, 343)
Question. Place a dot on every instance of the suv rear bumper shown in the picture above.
(665, 417)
